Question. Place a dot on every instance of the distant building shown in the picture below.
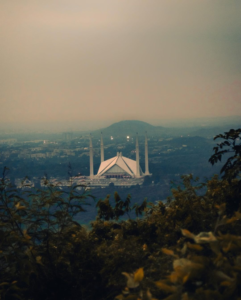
(119, 166)
(68, 136)
(8, 141)
(38, 155)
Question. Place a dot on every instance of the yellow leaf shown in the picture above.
(38, 259)
(215, 248)
(26, 235)
(218, 258)
(17, 205)
(139, 275)
(119, 297)
(224, 276)
(194, 247)
(205, 237)
(187, 233)
(221, 208)
(173, 277)
(21, 207)
(182, 263)
(183, 266)
(225, 283)
(184, 249)
(131, 297)
(173, 297)
(165, 287)
(238, 215)
(131, 283)
(226, 249)
(185, 278)
(168, 252)
(126, 291)
(231, 220)
(149, 295)
(185, 296)
(144, 247)
(4, 283)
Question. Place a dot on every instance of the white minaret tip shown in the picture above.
(91, 141)
(137, 157)
(101, 148)
(91, 159)
(146, 156)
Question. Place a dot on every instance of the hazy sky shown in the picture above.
(78, 60)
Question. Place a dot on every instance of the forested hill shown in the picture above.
(129, 127)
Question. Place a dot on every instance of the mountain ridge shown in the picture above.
(129, 127)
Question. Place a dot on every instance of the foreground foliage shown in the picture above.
(205, 266)
(188, 248)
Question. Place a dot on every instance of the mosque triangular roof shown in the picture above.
(126, 164)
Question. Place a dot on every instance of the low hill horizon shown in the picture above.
(128, 127)
(131, 127)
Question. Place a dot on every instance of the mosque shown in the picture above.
(119, 167)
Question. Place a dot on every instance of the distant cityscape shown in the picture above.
(58, 155)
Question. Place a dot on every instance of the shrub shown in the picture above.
(187, 249)
(42, 246)
(207, 266)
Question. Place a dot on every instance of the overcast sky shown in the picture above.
(99, 60)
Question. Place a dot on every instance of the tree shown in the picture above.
(147, 181)
(232, 167)
(40, 239)
(231, 144)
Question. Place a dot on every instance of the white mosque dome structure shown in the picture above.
(119, 166)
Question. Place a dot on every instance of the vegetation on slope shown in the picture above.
(188, 249)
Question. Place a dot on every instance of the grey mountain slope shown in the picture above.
(210, 132)
(129, 127)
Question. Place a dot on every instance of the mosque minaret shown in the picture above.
(119, 166)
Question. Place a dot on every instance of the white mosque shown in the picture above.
(119, 167)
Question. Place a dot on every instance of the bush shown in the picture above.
(46, 254)
(206, 266)
(42, 246)
(187, 249)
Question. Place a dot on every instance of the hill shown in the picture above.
(210, 132)
(129, 127)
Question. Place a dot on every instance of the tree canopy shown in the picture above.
(188, 248)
